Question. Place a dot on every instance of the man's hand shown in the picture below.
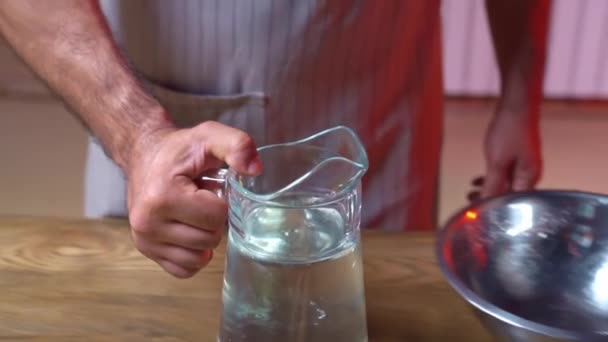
(513, 154)
(174, 222)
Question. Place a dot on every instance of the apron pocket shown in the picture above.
(245, 111)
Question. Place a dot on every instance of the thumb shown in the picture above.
(230, 145)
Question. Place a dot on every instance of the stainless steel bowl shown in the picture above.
(533, 265)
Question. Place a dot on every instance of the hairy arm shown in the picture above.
(68, 45)
(173, 222)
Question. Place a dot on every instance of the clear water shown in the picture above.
(295, 277)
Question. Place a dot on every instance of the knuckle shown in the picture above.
(146, 209)
(242, 141)
(140, 223)
(154, 199)
(207, 125)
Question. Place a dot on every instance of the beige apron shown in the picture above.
(284, 69)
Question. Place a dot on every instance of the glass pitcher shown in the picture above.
(293, 260)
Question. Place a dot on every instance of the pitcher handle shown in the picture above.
(214, 180)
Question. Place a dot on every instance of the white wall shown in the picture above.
(577, 65)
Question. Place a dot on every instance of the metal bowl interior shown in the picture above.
(535, 260)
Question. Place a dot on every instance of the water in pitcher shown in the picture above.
(299, 279)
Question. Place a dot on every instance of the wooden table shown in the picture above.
(80, 280)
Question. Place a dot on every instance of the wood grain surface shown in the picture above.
(81, 280)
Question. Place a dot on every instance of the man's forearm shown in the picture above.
(519, 30)
(68, 45)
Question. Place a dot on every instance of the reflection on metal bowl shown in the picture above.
(533, 265)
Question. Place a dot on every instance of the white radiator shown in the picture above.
(577, 65)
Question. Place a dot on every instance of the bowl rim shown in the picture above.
(476, 300)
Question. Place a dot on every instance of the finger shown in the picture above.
(175, 269)
(473, 196)
(231, 145)
(186, 258)
(478, 181)
(206, 256)
(525, 178)
(180, 262)
(201, 209)
(190, 237)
